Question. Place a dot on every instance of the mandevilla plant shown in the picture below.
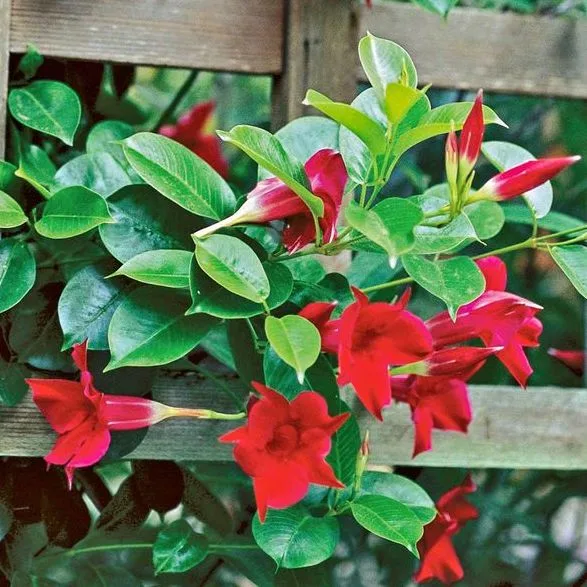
(151, 254)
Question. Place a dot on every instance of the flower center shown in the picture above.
(284, 441)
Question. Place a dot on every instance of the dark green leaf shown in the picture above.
(553, 221)
(178, 548)
(345, 448)
(17, 272)
(12, 389)
(247, 359)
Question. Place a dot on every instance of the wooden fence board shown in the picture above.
(4, 60)
(499, 52)
(542, 428)
(229, 35)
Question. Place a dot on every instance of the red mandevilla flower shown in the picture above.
(439, 559)
(83, 416)
(273, 200)
(189, 131)
(283, 446)
(319, 314)
(574, 360)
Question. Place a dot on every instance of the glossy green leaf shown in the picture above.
(306, 268)
(178, 548)
(17, 272)
(179, 175)
(210, 297)
(234, 265)
(572, 259)
(145, 221)
(102, 135)
(401, 101)
(7, 173)
(456, 281)
(72, 211)
(385, 62)
(296, 341)
(553, 221)
(12, 389)
(47, 106)
(150, 328)
(502, 156)
(87, 304)
(389, 519)
(165, 267)
(400, 489)
(11, 214)
(268, 152)
(345, 447)
(431, 239)
(294, 538)
(358, 123)
(486, 217)
(35, 167)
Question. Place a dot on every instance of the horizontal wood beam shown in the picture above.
(501, 52)
(228, 35)
(542, 428)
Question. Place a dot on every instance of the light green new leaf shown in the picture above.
(385, 62)
(11, 214)
(73, 211)
(17, 272)
(456, 281)
(295, 339)
(358, 123)
(294, 538)
(179, 175)
(402, 100)
(389, 519)
(234, 265)
(178, 548)
(268, 152)
(166, 268)
(572, 259)
(47, 106)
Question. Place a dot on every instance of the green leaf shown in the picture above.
(47, 106)
(358, 123)
(502, 156)
(234, 265)
(17, 272)
(403, 101)
(30, 62)
(72, 211)
(247, 358)
(6, 519)
(212, 298)
(268, 152)
(553, 221)
(486, 217)
(87, 304)
(178, 548)
(385, 62)
(179, 175)
(296, 341)
(345, 447)
(456, 281)
(306, 268)
(166, 268)
(439, 121)
(441, 7)
(400, 489)
(35, 167)
(145, 221)
(389, 519)
(294, 538)
(99, 172)
(12, 389)
(7, 172)
(103, 135)
(11, 214)
(150, 328)
(572, 259)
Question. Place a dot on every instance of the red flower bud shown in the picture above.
(574, 360)
(471, 138)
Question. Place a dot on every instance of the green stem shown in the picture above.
(179, 96)
(393, 283)
(225, 388)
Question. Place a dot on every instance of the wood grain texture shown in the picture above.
(499, 52)
(542, 428)
(228, 35)
(4, 61)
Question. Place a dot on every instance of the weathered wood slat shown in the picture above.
(542, 428)
(499, 52)
(229, 35)
(4, 60)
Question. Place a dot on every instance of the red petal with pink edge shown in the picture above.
(62, 402)
(122, 412)
(472, 134)
(495, 272)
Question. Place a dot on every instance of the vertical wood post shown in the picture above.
(5, 6)
(318, 38)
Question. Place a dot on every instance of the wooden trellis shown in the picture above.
(312, 43)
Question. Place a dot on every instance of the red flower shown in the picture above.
(319, 314)
(273, 200)
(83, 416)
(374, 336)
(438, 557)
(190, 132)
(435, 402)
(574, 360)
(283, 445)
(524, 177)
(471, 137)
(498, 318)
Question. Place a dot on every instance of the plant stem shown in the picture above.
(179, 96)
(218, 381)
